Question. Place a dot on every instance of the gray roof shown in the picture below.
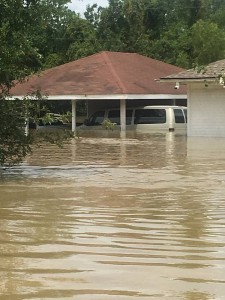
(210, 72)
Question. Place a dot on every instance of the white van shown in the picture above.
(143, 119)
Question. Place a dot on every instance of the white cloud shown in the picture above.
(79, 6)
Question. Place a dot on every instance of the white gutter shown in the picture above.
(106, 97)
(184, 80)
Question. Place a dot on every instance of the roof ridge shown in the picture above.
(113, 71)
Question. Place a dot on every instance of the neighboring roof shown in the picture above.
(210, 72)
(105, 73)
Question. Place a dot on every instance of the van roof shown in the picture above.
(149, 106)
(163, 106)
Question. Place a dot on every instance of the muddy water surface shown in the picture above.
(108, 218)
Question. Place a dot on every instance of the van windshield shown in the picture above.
(185, 113)
(97, 118)
(114, 116)
(179, 115)
(150, 116)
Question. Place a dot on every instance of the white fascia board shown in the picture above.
(187, 80)
(108, 97)
(118, 97)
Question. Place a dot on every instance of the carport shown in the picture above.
(107, 78)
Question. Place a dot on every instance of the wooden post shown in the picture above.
(73, 115)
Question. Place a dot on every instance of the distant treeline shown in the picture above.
(39, 34)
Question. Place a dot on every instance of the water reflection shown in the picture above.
(140, 217)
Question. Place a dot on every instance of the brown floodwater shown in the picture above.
(141, 217)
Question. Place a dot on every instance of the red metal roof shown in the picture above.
(105, 73)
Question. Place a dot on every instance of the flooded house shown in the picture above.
(107, 80)
(206, 98)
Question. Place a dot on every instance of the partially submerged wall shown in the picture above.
(206, 110)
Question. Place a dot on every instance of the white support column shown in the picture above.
(26, 126)
(26, 123)
(123, 115)
(73, 115)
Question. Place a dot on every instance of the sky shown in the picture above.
(80, 5)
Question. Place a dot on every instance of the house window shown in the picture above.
(179, 116)
(150, 116)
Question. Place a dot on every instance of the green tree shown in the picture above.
(218, 13)
(138, 38)
(14, 144)
(208, 42)
(20, 55)
(173, 46)
(110, 29)
(81, 39)
(120, 26)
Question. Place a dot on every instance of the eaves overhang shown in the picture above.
(188, 80)
(106, 97)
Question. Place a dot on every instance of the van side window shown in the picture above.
(114, 116)
(179, 115)
(97, 118)
(150, 116)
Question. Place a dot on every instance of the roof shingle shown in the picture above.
(210, 72)
(104, 73)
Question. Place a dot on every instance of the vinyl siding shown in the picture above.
(206, 110)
